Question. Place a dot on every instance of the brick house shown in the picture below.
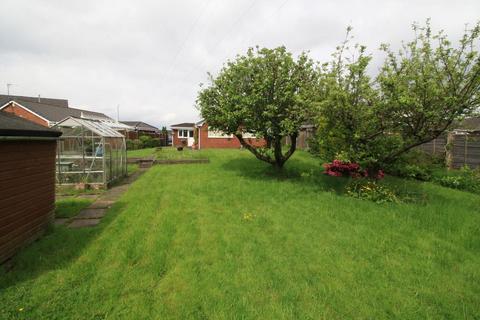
(185, 133)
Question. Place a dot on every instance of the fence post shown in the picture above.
(465, 154)
(449, 150)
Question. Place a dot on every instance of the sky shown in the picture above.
(149, 57)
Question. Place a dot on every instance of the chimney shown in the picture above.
(38, 98)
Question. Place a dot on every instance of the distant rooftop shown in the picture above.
(53, 110)
(53, 102)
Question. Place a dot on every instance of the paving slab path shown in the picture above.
(92, 215)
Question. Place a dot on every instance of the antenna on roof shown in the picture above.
(8, 87)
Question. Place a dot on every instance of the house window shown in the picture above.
(185, 133)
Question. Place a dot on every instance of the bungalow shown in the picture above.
(47, 112)
(182, 134)
(185, 133)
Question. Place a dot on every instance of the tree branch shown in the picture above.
(253, 150)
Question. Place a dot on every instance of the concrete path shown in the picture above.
(92, 215)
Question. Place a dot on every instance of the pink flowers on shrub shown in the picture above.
(380, 175)
(339, 168)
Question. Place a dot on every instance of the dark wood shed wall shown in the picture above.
(27, 192)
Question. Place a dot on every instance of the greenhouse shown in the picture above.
(89, 153)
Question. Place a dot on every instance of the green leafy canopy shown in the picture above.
(417, 94)
(267, 93)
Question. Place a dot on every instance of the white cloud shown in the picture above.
(150, 56)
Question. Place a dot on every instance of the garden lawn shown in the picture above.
(140, 153)
(168, 153)
(69, 207)
(233, 239)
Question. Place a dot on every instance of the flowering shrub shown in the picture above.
(371, 190)
(340, 168)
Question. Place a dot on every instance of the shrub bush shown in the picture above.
(465, 179)
(416, 164)
(372, 190)
(413, 171)
(149, 142)
(156, 142)
(137, 144)
(129, 144)
(339, 168)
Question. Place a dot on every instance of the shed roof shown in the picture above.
(13, 126)
(96, 126)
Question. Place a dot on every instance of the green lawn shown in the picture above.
(67, 208)
(168, 153)
(233, 239)
(140, 153)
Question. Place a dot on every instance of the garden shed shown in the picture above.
(27, 181)
(89, 153)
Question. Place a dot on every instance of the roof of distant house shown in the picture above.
(183, 125)
(54, 102)
(13, 126)
(140, 125)
(54, 112)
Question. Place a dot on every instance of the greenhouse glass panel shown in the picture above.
(89, 153)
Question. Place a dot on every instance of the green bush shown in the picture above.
(143, 142)
(372, 190)
(464, 179)
(413, 171)
(149, 142)
(137, 144)
(156, 142)
(416, 164)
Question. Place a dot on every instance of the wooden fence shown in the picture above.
(459, 147)
(435, 147)
(305, 134)
(463, 149)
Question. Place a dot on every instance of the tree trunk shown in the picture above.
(254, 150)
(279, 158)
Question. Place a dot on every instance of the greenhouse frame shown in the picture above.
(89, 152)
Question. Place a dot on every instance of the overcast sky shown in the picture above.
(149, 57)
